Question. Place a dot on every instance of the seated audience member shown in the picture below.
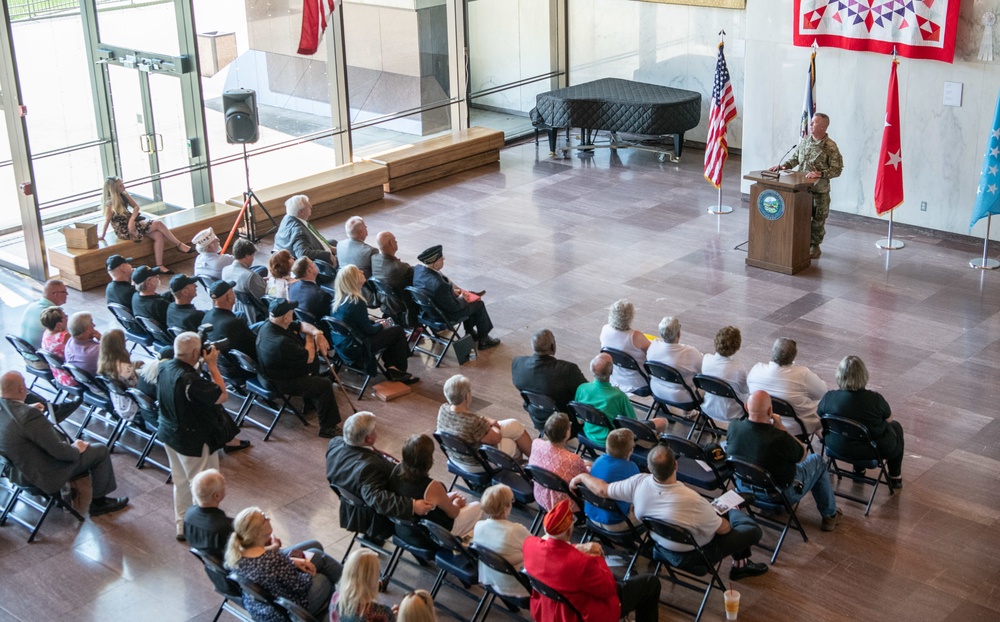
(84, 345)
(416, 606)
(668, 350)
(227, 325)
(120, 289)
(795, 384)
(552, 455)
(608, 399)
(386, 267)
(114, 362)
(349, 306)
(410, 479)
(53, 293)
(305, 291)
(614, 466)
(297, 236)
(306, 578)
(210, 260)
(581, 575)
(145, 301)
(353, 251)
(502, 536)
(41, 455)
(543, 373)
(247, 281)
(723, 366)
(150, 372)
(853, 401)
(280, 269)
(287, 355)
(182, 313)
(618, 334)
(509, 435)
(659, 495)
(54, 340)
(763, 440)
(453, 302)
(358, 589)
(353, 463)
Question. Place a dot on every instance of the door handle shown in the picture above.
(158, 142)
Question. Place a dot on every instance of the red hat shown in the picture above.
(559, 519)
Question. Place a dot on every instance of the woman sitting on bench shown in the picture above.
(131, 225)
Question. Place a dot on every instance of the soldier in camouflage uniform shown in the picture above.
(817, 156)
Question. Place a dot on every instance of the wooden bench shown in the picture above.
(338, 189)
(439, 157)
(87, 269)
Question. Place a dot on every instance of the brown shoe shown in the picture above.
(814, 252)
(830, 522)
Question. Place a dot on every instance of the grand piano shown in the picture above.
(619, 107)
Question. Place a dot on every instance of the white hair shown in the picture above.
(297, 204)
(186, 344)
(353, 226)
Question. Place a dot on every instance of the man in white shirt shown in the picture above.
(795, 384)
(669, 351)
(659, 495)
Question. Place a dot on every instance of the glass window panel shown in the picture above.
(12, 243)
(151, 27)
(65, 175)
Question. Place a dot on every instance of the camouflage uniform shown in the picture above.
(822, 156)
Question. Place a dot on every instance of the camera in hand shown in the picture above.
(206, 345)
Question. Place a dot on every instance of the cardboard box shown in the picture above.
(81, 235)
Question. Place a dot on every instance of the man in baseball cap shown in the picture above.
(182, 313)
(145, 301)
(120, 290)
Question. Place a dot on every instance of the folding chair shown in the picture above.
(550, 481)
(787, 412)
(149, 412)
(401, 309)
(136, 426)
(719, 388)
(23, 494)
(494, 561)
(355, 351)
(348, 497)
(586, 413)
(159, 334)
(755, 479)
(540, 407)
(508, 471)
(410, 537)
(35, 365)
(255, 309)
(232, 594)
(627, 362)
(684, 569)
(477, 481)
(97, 398)
(294, 611)
(552, 594)
(327, 275)
(263, 397)
(701, 422)
(695, 467)
(630, 539)
(134, 332)
(643, 434)
(864, 454)
(255, 591)
(431, 316)
(451, 558)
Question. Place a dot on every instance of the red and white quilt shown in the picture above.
(915, 28)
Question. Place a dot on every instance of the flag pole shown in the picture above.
(887, 243)
(719, 209)
(985, 263)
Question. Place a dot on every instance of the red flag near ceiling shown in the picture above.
(889, 177)
(314, 14)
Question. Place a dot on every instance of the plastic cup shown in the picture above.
(732, 598)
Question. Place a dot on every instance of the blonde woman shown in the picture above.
(129, 224)
(114, 361)
(304, 577)
(357, 590)
(416, 606)
(350, 307)
(618, 334)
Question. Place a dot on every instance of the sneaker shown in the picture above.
(488, 342)
(814, 252)
(106, 505)
(830, 522)
(751, 569)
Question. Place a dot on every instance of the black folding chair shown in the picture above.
(355, 351)
(695, 467)
(267, 399)
(431, 316)
(540, 407)
(752, 478)
(36, 366)
(719, 388)
(232, 594)
(294, 611)
(684, 569)
(410, 537)
(508, 471)
(630, 538)
(256, 592)
(135, 426)
(255, 309)
(23, 493)
(149, 413)
(551, 481)
(395, 305)
(552, 594)
(864, 454)
(97, 398)
(494, 561)
(643, 434)
(159, 333)
(586, 413)
(134, 331)
(627, 362)
(700, 423)
(349, 498)
(451, 558)
(451, 445)
(787, 412)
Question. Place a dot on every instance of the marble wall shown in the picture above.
(942, 145)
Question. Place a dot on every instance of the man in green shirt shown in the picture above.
(608, 399)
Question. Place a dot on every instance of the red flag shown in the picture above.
(723, 110)
(314, 13)
(889, 178)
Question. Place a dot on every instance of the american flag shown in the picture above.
(314, 14)
(723, 111)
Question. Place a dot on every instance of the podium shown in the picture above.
(780, 222)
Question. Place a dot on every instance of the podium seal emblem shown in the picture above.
(770, 205)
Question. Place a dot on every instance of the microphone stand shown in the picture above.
(776, 174)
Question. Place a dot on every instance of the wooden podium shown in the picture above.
(780, 222)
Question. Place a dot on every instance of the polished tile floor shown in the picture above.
(554, 242)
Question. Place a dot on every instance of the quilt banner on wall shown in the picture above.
(915, 28)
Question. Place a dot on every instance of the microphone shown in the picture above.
(776, 174)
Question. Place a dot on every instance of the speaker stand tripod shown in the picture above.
(249, 198)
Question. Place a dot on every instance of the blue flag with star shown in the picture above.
(988, 194)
